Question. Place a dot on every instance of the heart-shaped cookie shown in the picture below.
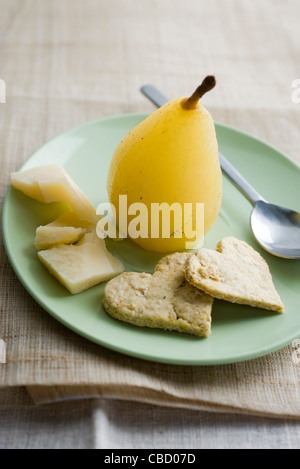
(234, 272)
(162, 300)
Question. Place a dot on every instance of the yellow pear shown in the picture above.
(170, 157)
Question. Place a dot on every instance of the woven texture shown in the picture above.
(113, 424)
(68, 62)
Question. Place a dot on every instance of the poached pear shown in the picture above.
(170, 157)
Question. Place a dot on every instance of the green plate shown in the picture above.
(238, 332)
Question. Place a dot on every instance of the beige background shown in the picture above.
(67, 62)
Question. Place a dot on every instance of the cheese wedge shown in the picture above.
(66, 229)
(47, 236)
(52, 183)
(81, 266)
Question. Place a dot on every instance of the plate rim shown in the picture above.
(102, 342)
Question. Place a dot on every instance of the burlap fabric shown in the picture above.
(68, 62)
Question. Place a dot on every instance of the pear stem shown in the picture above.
(208, 84)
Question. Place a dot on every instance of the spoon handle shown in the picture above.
(240, 182)
(152, 93)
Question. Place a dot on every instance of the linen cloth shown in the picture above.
(68, 62)
(117, 424)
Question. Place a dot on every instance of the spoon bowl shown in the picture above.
(276, 229)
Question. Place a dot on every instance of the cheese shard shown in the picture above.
(81, 266)
(27, 181)
(66, 229)
(51, 183)
(47, 236)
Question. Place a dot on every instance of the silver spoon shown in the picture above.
(276, 228)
